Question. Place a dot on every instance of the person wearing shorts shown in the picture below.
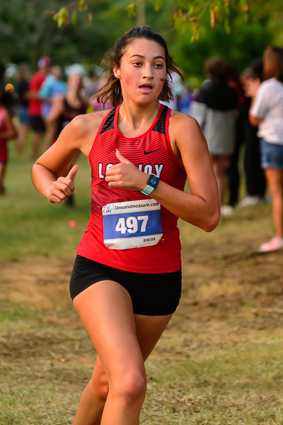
(35, 103)
(22, 90)
(7, 132)
(266, 111)
(215, 107)
(126, 281)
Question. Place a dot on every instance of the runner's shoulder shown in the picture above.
(85, 123)
(180, 121)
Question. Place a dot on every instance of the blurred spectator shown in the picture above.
(35, 104)
(255, 178)
(2, 76)
(216, 109)
(185, 99)
(233, 172)
(22, 90)
(66, 107)
(266, 111)
(52, 86)
(177, 88)
(90, 83)
(7, 131)
(94, 104)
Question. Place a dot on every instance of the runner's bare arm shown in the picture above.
(48, 169)
(201, 206)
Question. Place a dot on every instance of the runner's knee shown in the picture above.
(131, 386)
(99, 386)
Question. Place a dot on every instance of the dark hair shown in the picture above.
(216, 69)
(256, 68)
(273, 63)
(8, 99)
(112, 91)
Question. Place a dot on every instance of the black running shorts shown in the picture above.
(155, 294)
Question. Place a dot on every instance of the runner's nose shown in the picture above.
(147, 71)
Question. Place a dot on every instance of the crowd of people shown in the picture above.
(249, 109)
(221, 105)
(41, 104)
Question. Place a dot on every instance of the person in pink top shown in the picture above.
(7, 131)
(126, 281)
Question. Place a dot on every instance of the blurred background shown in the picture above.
(27, 32)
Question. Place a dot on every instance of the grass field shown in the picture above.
(219, 362)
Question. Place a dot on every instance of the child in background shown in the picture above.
(7, 131)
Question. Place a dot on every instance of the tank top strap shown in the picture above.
(160, 125)
(109, 121)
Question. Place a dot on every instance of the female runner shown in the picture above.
(126, 282)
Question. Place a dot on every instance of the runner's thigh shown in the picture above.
(106, 311)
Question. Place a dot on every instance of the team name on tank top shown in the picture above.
(150, 152)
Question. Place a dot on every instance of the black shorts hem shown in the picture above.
(156, 294)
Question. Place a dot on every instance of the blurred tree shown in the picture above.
(28, 30)
(188, 13)
(245, 41)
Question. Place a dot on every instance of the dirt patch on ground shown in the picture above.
(214, 282)
(230, 299)
(42, 282)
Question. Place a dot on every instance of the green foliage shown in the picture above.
(62, 17)
(131, 10)
(29, 29)
(244, 42)
(157, 5)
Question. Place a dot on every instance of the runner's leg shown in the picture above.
(219, 163)
(2, 175)
(274, 179)
(123, 342)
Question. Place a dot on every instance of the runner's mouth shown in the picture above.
(146, 87)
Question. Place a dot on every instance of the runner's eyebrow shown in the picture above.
(155, 57)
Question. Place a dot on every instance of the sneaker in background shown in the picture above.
(251, 201)
(273, 245)
(226, 210)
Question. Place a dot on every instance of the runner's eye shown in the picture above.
(159, 65)
(137, 64)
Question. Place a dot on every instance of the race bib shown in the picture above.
(132, 224)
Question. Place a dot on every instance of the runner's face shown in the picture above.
(142, 70)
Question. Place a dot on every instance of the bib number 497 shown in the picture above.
(132, 224)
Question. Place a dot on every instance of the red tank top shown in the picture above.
(151, 152)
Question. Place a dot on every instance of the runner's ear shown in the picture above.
(116, 70)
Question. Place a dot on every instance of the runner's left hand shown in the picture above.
(125, 175)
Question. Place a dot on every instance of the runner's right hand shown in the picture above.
(62, 188)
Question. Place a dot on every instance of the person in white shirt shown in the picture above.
(266, 111)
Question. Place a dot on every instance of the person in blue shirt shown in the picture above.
(52, 87)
